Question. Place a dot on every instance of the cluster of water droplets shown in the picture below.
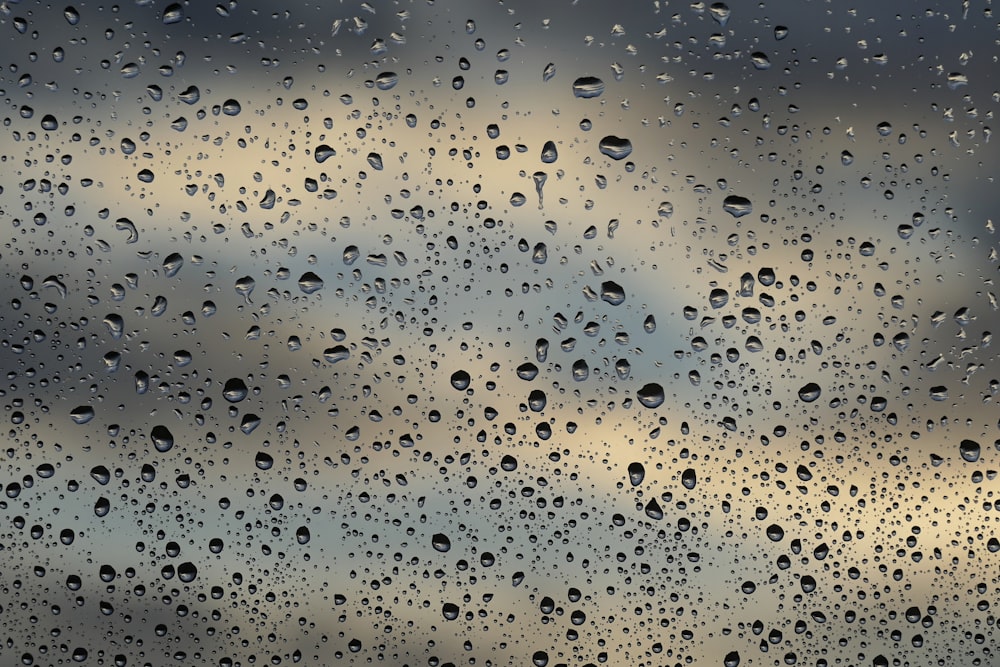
(293, 373)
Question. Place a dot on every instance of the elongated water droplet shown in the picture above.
(809, 392)
(636, 473)
(616, 148)
(172, 263)
(549, 152)
(336, 353)
(587, 87)
(737, 206)
(310, 283)
(323, 153)
(386, 80)
(82, 414)
(173, 13)
(653, 510)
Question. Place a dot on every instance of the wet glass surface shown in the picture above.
(490, 333)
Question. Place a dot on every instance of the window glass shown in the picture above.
(494, 333)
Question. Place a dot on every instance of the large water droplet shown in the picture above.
(162, 439)
(101, 474)
(441, 543)
(527, 371)
(612, 292)
(82, 414)
(969, 450)
(651, 395)
(653, 510)
(718, 297)
(263, 461)
(737, 206)
(636, 473)
(587, 87)
(721, 12)
(309, 283)
(386, 80)
(187, 572)
(616, 148)
(450, 611)
(235, 390)
(549, 152)
(536, 400)
(102, 507)
(809, 392)
(323, 153)
(460, 380)
(174, 13)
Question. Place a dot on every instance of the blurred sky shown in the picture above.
(398, 152)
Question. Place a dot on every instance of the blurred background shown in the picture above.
(488, 333)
